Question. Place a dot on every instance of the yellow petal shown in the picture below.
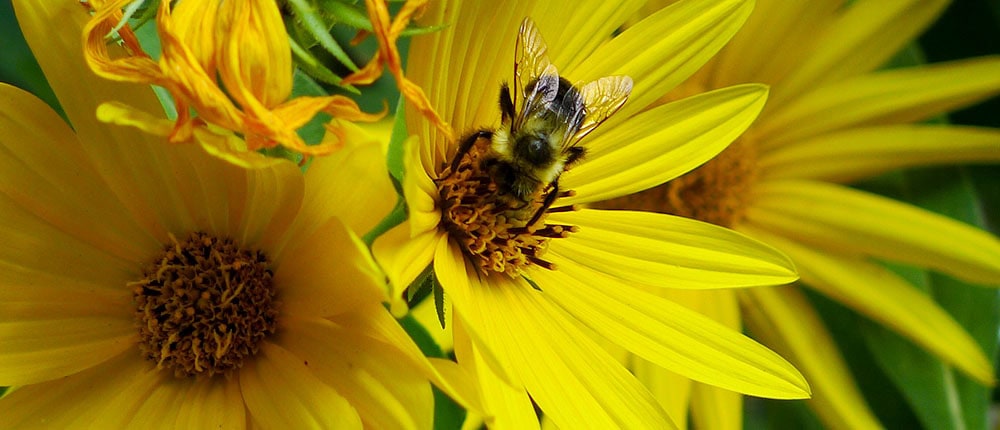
(865, 36)
(403, 257)
(671, 335)
(456, 278)
(219, 404)
(777, 37)
(784, 319)
(839, 218)
(254, 57)
(860, 153)
(47, 338)
(50, 185)
(506, 406)
(381, 326)
(281, 391)
(327, 273)
(667, 251)
(419, 189)
(571, 378)
(351, 184)
(713, 407)
(384, 389)
(662, 143)
(460, 70)
(53, 30)
(885, 297)
(664, 49)
(892, 96)
(85, 399)
(671, 390)
(572, 37)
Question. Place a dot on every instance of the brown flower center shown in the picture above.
(204, 305)
(717, 192)
(492, 227)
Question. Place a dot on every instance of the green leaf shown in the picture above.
(314, 23)
(395, 159)
(315, 68)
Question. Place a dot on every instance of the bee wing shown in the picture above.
(538, 99)
(531, 60)
(602, 99)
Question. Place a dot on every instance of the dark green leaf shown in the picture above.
(314, 23)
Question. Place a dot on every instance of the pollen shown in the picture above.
(717, 192)
(203, 306)
(492, 228)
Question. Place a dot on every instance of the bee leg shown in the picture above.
(466, 146)
(576, 153)
(546, 204)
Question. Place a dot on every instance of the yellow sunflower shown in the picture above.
(157, 286)
(528, 299)
(832, 119)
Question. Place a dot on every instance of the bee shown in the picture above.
(542, 123)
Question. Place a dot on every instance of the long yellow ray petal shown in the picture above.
(385, 390)
(48, 338)
(713, 407)
(667, 251)
(281, 391)
(865, 152)
(82, 399)
(778, 36)
(891, 96)
(662, 143)
(348, 276)
(571, 378)
(783, 319)
(219, 405)
(671, 335)
(671, 390)
(664, 49)
(884, 297)
(573, 37)
(329, 193)
(54, 32)
(866, 36)
(507, 407)
(839, 218)
(52, 195)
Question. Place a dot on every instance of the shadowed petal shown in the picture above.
(885, 297)
(786, 321)
(866, 152)
(839, 218)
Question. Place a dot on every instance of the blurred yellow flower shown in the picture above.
(228, 61)
(157, 286)
(831, 119)
(528, 301)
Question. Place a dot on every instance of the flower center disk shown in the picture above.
(490, 226)
(204, 305)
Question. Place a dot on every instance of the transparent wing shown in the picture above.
(539, 95)
(530, 58)
(602, 99)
